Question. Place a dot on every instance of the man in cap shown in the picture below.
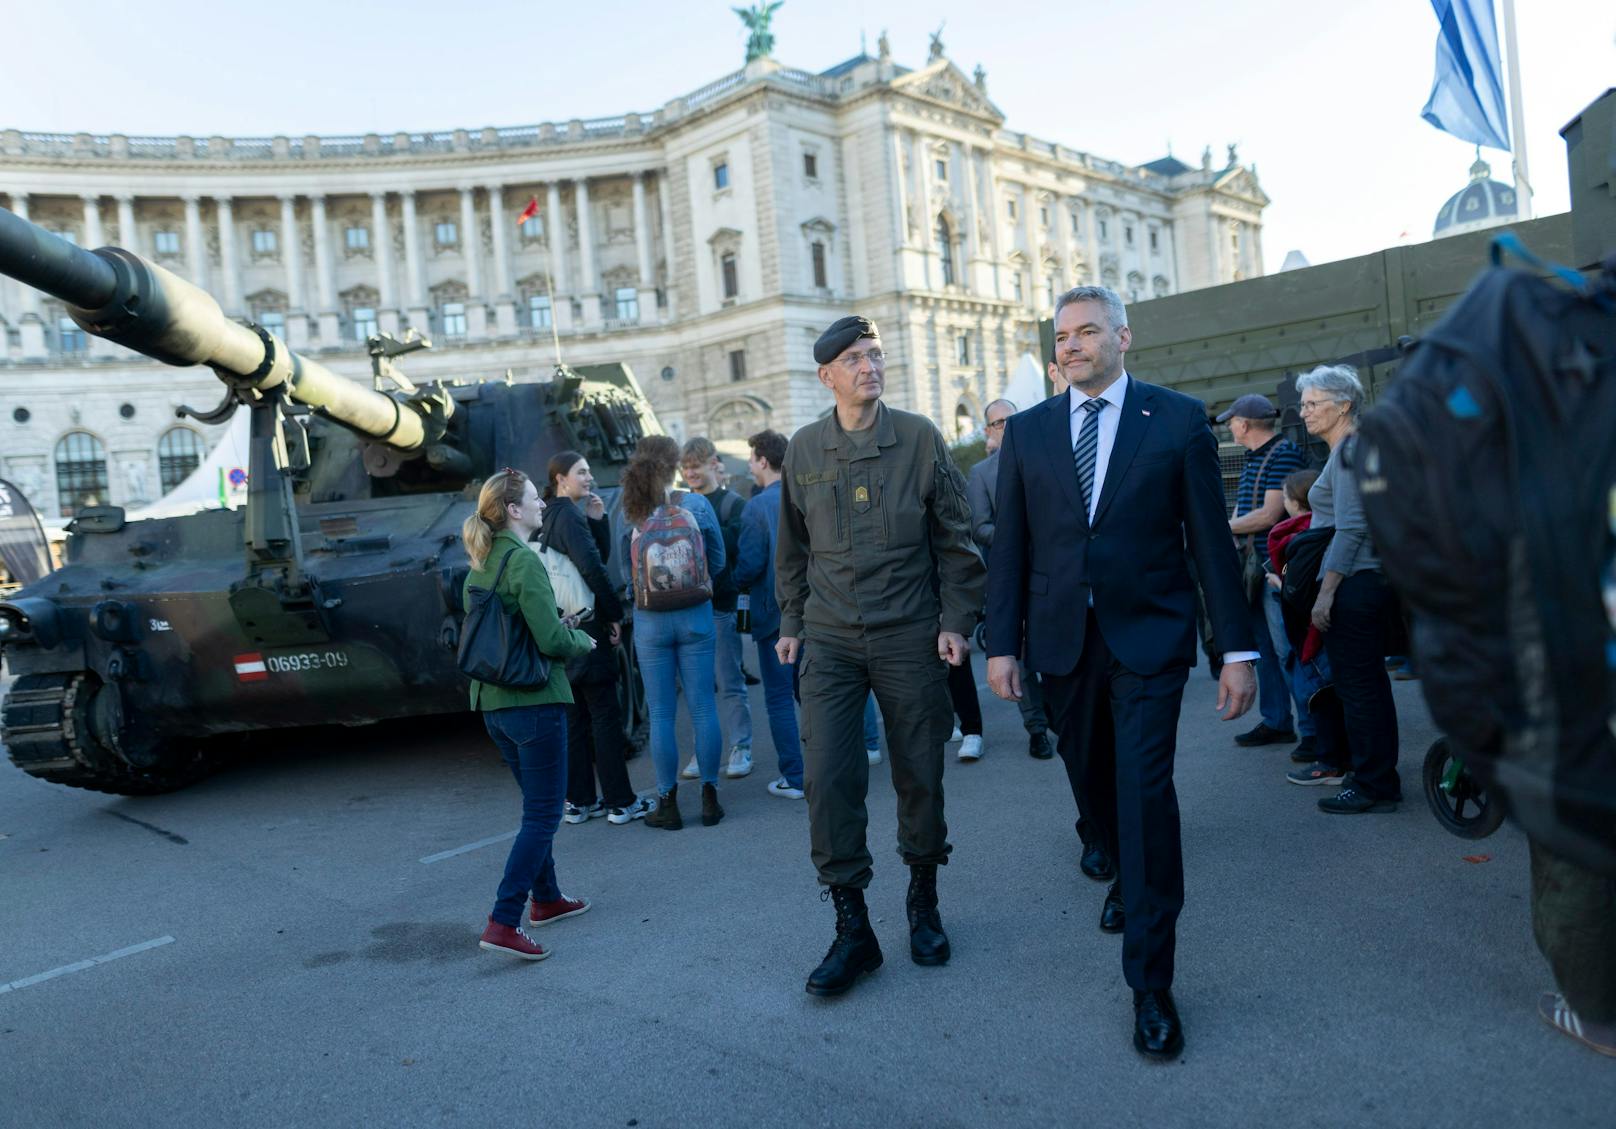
(1259, 505)
(878, 586)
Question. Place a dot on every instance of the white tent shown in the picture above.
(218, 482)
(1026, 384)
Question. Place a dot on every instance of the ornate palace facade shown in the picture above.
(706, 243)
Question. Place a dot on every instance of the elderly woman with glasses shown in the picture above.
(1355, 607)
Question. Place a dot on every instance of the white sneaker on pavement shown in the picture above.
(572, 813)
(971, 748)
(692, 770)
(874, 753)
(783, 788)
(956, 735)
(740, 763)
(639, 809)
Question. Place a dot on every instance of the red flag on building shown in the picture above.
(528, 212)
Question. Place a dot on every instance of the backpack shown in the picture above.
(572, 591)
(668, 559)
(1488, 475)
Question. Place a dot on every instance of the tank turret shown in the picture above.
(332, 596)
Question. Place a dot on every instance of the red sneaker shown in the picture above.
(544, 913)
(509, 939)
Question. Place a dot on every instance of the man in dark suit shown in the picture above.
(1100, 492)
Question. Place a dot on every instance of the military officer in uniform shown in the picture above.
(878, 585)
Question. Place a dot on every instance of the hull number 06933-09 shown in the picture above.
(255, 666)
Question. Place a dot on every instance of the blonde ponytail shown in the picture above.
(502, 489)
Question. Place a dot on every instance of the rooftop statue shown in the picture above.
(760, 44)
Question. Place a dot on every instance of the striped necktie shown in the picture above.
(1088, 445)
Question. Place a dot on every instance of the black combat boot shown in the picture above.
(928, 944)
(666, 816)
(855, 949)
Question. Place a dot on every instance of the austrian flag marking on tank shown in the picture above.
(250, 668)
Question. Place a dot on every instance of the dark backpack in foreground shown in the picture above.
(496, 646)
(1487, 470)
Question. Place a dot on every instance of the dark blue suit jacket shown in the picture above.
(1163, 491)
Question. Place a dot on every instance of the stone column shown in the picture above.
(228, 266)
(588, 280)
(30, 323)
(414, 287)
(1035, 258)
(93, 235)
(1170, 234)
(196, 259)
(1092, 240)
(381, 247)
(324, 273)
(471, 246)
(900, 195)
(504, 300)
(297, 322)
(1061, 217)
(920, 161)
(556, 237)
(642, 237)
(128, 238)
(666, 208)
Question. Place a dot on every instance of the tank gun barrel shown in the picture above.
(117, 295)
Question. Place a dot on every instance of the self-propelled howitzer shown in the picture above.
(332, 596)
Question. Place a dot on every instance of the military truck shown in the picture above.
(331, 597)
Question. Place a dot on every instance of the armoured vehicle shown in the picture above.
(332, 596)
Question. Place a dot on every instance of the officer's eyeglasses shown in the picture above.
(853, 361)
(997, 424)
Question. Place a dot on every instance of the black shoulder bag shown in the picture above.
(496, 646)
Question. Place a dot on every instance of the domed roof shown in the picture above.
(1481, 203)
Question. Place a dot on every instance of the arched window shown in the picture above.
(964, 421)
(945, 250)
(81, 472)
(179, 452)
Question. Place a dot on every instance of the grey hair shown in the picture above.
(1116, 313)
(1339, 382)
(1011, 404)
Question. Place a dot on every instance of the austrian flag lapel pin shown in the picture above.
(1144, 411)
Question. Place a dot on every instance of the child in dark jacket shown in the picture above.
(1279, 539)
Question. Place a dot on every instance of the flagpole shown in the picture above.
(1517, 117)
(555, 335)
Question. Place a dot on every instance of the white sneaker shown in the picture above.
(874, 753)
(971, 748)
(740, 763)
(572, 813)
(639, 809)
(782, 787)
(956, 735)
(692, 770)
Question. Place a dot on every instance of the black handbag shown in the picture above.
(496, 646)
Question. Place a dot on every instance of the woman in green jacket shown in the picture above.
(528, 726)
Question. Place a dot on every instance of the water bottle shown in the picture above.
(743, 614)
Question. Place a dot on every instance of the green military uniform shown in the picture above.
(874, 559)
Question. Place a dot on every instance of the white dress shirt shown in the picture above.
(1110, 419)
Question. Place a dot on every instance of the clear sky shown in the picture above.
(1323, 97)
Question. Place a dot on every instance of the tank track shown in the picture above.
(43, 724)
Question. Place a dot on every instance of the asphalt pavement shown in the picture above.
(294, 942)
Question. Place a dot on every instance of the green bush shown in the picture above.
(967, 455)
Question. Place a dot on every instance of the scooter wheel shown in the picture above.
(1461, 805)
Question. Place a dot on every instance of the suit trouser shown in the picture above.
(836, 675)
(1031, 702)
(1117, 732)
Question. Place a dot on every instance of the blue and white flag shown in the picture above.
(1467, 98)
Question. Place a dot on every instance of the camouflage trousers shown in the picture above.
(1574, 921)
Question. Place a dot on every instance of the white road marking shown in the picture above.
(477, 846)
(80, 966)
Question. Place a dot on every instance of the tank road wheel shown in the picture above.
(630, 697)
(1458, 800)
(69, 729)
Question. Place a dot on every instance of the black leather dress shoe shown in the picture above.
(1038, 746)
(1111, 917)
(1096, 863)
(1157, 1032)
(1265, 734)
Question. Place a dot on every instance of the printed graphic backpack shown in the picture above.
(669, 560)
(1487, 470)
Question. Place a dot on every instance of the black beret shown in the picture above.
(839, 336)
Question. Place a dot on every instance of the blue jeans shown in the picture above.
(737, 719)
(1273, 687)
(677, 647)
(780, 700)
(872, 733)
(1283, 652)
(533, 742)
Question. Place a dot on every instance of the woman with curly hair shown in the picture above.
(529, 726)
(675, 647)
